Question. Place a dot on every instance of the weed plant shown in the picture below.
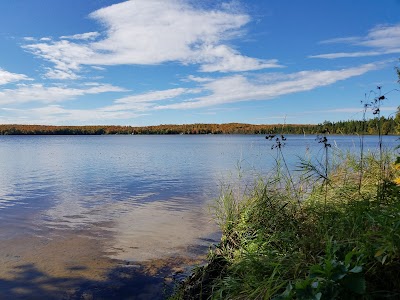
(343, 242)
(330, 238)
(330, 232)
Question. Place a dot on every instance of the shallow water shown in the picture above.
(110, 216)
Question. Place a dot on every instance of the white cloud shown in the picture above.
(240, 88)
(82, 36)
(228, 89)
(148, 32)
(155, 95)
(386, 37)
(198, 79)
(351, 111)
(232, 89)
(7, 77)
(145, 101)
(29, 39)
(67, 57)
(155, 31)
(39, 93)
(345, 40)
(355, 54)
(383, 39)
(60, 74)
(58, 115)
(224, 59)
(354, 110)
(54, 114)
(98, 68)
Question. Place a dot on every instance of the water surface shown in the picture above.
(76, 209)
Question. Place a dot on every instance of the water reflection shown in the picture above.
(136, 198)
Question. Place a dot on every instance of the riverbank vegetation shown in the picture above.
(329, 230)
(343, 127)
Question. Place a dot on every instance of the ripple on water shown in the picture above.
(73, 206)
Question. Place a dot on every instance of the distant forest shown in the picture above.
(388, 126)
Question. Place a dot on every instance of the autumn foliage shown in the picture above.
(343, 127)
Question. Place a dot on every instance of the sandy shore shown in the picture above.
(74, 267)
(137, 257)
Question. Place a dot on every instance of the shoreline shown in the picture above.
(115, 260)
(75, 267)
(340, 127)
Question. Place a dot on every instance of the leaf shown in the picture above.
(356, 269)
(301, 285)
(348, 257)
(384, 259)
(286, 294)
(379, 252)
(338, 276)
(316, 269)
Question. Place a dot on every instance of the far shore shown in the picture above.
(350, 127)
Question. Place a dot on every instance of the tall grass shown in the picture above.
(341, 241)
(344, 244)
(330, 232)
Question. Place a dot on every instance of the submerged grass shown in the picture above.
(334, 234)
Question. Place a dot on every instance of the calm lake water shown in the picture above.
(76, 210)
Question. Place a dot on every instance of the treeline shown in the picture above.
(231, 128)
(386, 125)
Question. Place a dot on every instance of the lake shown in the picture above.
(105, 217)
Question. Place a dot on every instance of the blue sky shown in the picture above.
(149, 62)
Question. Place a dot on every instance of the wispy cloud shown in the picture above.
(207, 93)
(147, 101)
(82, 36)
(239, 88)
(224, 59)
(198, 79)
(383, 39)
(236, 88)
(8, 77)
(344, 40)
(156, 95)
(58, 115)
(53, 112)
(66, 56)
(24, 93)
(354, 110)
(350, 113)
(29, 38)
(149, 32)
(356, 54)
(61, 74)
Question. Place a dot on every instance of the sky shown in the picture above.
(150, 62)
